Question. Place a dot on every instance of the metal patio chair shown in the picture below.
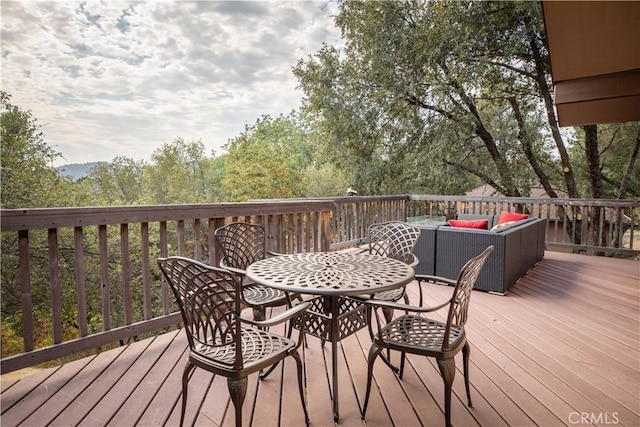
(243, 244)
(397, 240)
(414, 333)
(220, 341)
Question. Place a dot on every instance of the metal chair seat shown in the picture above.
(391, 295)
(257, 346)
(417, 334)
(258, 295)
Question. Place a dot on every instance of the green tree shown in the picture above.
(460, 86)
(176, 174)
(605, 159)
(268, 160)
(214, 168)
(28, 177)
(118, 182)
(30, 181)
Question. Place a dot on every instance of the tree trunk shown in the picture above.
(543, 87)
(628, 172)
(526, 145)
(483, 133)
(596, 183)
(593, 161)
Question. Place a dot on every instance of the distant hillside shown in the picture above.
(75, 170)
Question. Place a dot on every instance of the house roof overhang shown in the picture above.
(594, 49)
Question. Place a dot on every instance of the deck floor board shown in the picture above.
(562, 343)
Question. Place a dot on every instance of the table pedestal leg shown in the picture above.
(334, 355)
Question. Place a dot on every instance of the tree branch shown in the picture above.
(626, 178)
(485, 178)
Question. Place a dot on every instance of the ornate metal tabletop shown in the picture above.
(331, 273)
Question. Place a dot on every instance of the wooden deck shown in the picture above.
(561, 348)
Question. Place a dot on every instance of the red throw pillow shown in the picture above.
(511, 216)
(482, 224)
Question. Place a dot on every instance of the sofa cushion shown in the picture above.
(511, 216)
(482, 224)
(491, 218)
(500, 225)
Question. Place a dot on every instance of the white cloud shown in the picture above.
(110, 78)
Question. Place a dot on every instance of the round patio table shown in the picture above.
(334, 276)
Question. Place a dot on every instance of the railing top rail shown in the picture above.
(515, 200)
(44, 218)
(343, 199)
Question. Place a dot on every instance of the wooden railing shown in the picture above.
(591, 226)
(103, 258)
(88, 275)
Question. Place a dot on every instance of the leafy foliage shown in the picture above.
(176, 174)
(268, 160)
(118, 182)
(28, 179)
(453, 84)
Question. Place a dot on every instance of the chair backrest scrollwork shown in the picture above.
(242, 244)
(459, 308)
(208, 298)
(393, 239)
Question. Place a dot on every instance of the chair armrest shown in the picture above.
(405, 307)
(271, 253)
(282, 317)
(414, 261)
(439, 279)
(224, 265)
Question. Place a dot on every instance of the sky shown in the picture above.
(122, 78)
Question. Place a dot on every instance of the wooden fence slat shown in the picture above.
(25, 289)
(81, 281)
(197, 245)
(104, 278)
(146, 271)
(54, 281)
(126, 273)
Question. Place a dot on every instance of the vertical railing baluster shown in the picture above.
(164, 252)
(182, 246)
(146, 271)
(125, 265)
(197, 247)
(81, 281)
(54, 280)
(104, 277)
(25, 289)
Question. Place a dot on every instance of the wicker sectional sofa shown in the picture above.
(443, 250)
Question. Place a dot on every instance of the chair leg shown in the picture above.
(296, 356)
(465, 357)
(185, 385)
(258, 313)
(266, 374)
(388, 363)
(388, 317)
(237, 391)
(448, 372)
(403, 357)
(374, 351)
